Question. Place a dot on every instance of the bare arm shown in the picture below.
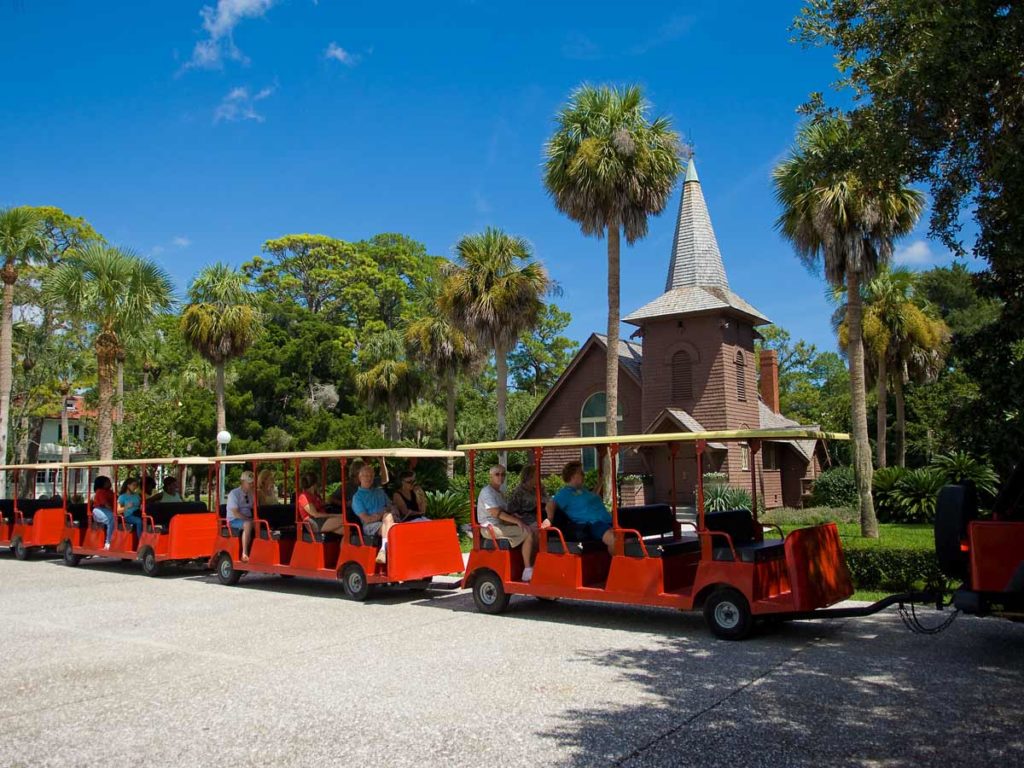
(399, 504)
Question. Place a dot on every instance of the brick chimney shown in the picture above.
(768, 385)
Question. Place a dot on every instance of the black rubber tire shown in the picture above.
(955, 507)
(227, 574)
(727, 614)
(489, 593)
(19, 549)
(150, 565)
(354, 582)
(70, 558)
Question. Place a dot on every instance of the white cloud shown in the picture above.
(181, 242)
(336, 52)
(219, 23)
(239, 104)
(918, 254)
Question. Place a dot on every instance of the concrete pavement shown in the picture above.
(102, 665)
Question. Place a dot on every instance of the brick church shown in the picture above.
(690, 366)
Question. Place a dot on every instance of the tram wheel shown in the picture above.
(727, 614)
(489, 593)
(19, 548)
(353, 581)
(226, 572)
(70, 558)
(150, 565)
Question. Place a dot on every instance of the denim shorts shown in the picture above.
(237, 523)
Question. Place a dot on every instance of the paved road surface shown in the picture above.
(103, 666)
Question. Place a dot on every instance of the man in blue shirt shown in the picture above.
(585, 509)
(373, 508)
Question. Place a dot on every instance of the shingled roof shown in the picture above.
(696, 279)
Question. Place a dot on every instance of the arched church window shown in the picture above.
(741, 378)
(682, 376)
(594, 424)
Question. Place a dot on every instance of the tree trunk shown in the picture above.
(6, 373)
(611, 365)
(106, 372)
(449, 387)
(222, 421)
(65, 440)
(901, 421)
(858, 408)
(119, 407)
(883, 413)
(393, 429)
(501, 365)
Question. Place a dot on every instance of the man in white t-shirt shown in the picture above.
(239, 511)
(495, 521)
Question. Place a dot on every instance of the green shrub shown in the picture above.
(961, 467)
(883, 485)
(915, 495)
(835, 487)
(590, 480)
(715, 478)
(448, 504)
(459, 483)
(894, 570)
(552, 485)
(718, 498)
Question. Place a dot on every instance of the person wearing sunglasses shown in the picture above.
(496, 522)
(409, 501)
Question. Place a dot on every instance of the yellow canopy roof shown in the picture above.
(354, 453)
(658, 439)
(183, 460)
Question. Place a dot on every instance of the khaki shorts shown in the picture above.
(515, 534)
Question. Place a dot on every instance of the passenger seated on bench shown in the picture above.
(266, 489)
(129, 504)
(371, 506)
(379, 481)
(409, 501)
(312, 508)
(585, 509)
(169, 494)
(492, 510)
(239, 511)
(103, 505)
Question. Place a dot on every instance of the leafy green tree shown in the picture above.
(836, 218)
(402, 272)
(937, 93)
(388, 377)
(539, 358)
(20, 242)
(304, 270)
(954, 295)
(150, 428)
(221, 322)
(114, 292)
(494, 291)
(609, 168)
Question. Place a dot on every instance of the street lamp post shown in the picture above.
(223, 438)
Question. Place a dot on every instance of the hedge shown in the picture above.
(893, 570)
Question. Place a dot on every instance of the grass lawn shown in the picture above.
(890, 536)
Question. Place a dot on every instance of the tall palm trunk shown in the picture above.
(394, 430)
(449, 391)
(858, 408)
(611, 361)
(65, 442)
(901, 421)
(10, 276)
(106, 372)
(883, 412)
(222, 421)
(501, 366)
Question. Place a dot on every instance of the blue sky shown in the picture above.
(195, 131)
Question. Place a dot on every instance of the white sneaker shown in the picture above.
(527, 574)
(107, 545)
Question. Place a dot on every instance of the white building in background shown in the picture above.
(49, 481)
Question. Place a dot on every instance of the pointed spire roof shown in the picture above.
(696, 275)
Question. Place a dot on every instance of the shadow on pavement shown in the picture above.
(852, 692)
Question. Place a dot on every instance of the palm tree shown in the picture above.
(115, 292)
(609, 168)
(220, 322)
(442, 346)
(494, 292)
(20, 241)
(835, 216)
(388, 376)
(904, 340)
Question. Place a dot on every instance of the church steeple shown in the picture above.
(696, 281)
(696, 259)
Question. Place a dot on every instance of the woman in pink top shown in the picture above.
(312, 507)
